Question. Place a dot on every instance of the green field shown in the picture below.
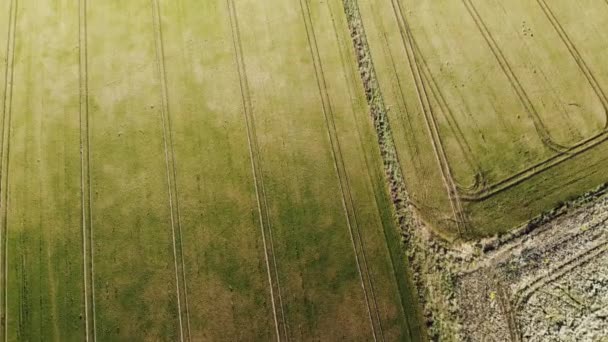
(192, 170)
(209, 170)
(498, 109)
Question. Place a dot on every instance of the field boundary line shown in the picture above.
(85, 180)
(402, 118)
(460, 218)
(176, 231)
(347, 188)
(533, 170)
(258, 178)
(340, 169)
(463, 144)
(437, 94)
(5, 160)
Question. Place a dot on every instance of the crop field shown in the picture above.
(208, 170)
(498, 108)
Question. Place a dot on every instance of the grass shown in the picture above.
(236, 187)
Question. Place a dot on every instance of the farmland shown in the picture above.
(247, 170)
(498, 109)
(186, 170)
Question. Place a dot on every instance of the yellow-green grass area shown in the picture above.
(40, 183)
(186, 170)
(498, 109)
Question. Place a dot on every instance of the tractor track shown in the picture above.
(85, 181)
(176, 229)
(460, 218)
(343, 182)
(281, 327)
(4, 166)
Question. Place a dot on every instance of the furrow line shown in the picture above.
(260, 192)
(176, 235)
(85, 181)
(4, 166)
(340, 169)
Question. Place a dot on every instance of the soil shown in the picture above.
(547, 281)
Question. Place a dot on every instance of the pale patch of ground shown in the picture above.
(549, 284)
